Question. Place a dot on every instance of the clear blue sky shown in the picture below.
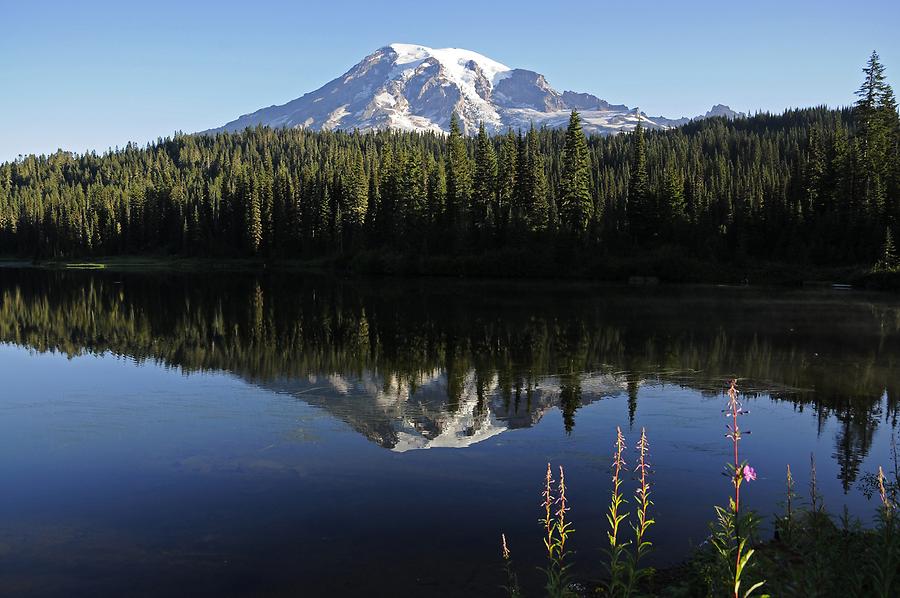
(90, 75)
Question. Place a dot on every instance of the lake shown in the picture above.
(290, 435)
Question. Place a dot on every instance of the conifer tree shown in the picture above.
(283, 210)
(876, 116)
(253, 214)
(673, 203)
(506, 178)
(538, 209)
(357, 194)
(484, 182)
(888, 262)
(638, 207)
(266, 204)
(522, 189)
(459, 178)
(412, 196)
(325, 213)
(388, 193)
(437, 192)
(816, 194)
(372, 203)
(575, 183)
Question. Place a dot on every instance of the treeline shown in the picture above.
(817, 186)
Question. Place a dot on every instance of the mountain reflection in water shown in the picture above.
(212, 434)
(445, 364)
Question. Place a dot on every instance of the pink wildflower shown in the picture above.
(749, 473)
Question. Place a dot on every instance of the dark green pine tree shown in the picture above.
(437, 192)
(283, 211)
(506, 178)
(459, 177)
(538, 210)
(816, 166)
(484, 184)
(638, 206)
(876, 116)
(388, 195)
(888, 262)
(412, 197)
(253, 214)
(575, 204)
(841, 188)
(521, 195)
(672, 199)
(357, 196)
(266, 196)
(381, 212)
(325, 213)
(369, 224)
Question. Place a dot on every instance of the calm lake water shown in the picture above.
(227, 434)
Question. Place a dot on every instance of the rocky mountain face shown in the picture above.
(410, 87)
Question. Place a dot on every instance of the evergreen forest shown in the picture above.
(816, 187)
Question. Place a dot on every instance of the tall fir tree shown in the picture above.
(283, 215)
(506, 178)
(672, 201)
(437, 193)
(538, 210)
(484, 184)
(357, 195)
(888, 261)
(638, 206)
(412, 198)
(522, 188)
(253, 222)
(816, 191)
(876, 115)
(575, 205)
(459, 177)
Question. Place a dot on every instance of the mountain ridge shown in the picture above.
(418, 88)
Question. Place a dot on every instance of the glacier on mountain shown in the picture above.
(417, 88)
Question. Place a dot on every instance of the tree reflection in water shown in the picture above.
(438, 363)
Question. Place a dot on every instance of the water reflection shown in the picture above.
(414, 365)
(402, 415)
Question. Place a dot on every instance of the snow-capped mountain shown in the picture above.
(410, 87)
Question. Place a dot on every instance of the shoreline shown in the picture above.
(643, 270)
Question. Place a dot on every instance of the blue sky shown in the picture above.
(92, 75)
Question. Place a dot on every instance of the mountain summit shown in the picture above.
(411, 87)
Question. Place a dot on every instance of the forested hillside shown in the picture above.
(812, 186)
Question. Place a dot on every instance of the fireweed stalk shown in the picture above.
(547, 495)
(885, 562)
(790, 493)
(886, 503)
(787, 526)
(557, 531)
(615, 516)
(642, 499)
(731, 539)
(512, 580)
(818, 504)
